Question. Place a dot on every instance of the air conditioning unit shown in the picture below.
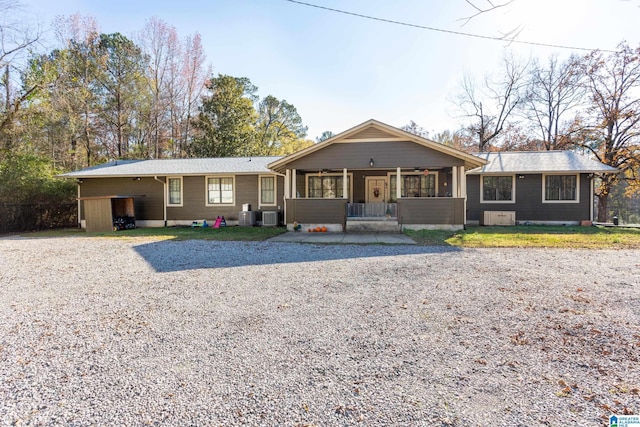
(247, 218)
(270, 218)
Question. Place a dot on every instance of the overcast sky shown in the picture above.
(340, 70)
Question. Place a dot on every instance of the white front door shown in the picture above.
(376, 189)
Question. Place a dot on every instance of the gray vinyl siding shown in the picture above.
(316, 211)
(245, 192)
(431, 210)
(529, 205)
(389, 154)
(149, 203)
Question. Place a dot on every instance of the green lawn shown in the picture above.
(174, 233)
(532, 236)
(473, 237)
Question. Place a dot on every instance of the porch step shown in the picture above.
(372, 225)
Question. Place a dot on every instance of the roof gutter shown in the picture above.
(164, 199)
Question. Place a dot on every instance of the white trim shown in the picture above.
(544, 188)
(513, 190)
(275, 190)
(294, 184)
(206, 190)
(345, 183)
(287, 184)
(306, 182)
(175, 205)
(404, 173)
(454, 181)
(398, 183)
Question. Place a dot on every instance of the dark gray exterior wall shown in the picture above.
(316, 211)
(390, 154)
(431, 210)
(529, 206)
(246, 191)
(149, 204)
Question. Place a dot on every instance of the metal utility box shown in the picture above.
(498, 218)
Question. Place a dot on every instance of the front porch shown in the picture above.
(378, 175)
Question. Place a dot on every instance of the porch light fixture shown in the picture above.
(371, 163)
(520, 176)
(137, 178)
(416, 169)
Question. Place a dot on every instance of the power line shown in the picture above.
(458, 33)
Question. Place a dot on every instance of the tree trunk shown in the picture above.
(602, 206)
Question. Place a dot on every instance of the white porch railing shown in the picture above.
(372, 210)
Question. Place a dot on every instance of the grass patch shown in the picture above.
(234, 233)
(532, 236)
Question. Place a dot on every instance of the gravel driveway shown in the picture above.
(138, 332)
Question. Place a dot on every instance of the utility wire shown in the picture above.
(458, 33)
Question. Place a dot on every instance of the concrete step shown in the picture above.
(361, 225)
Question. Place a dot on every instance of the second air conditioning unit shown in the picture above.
(270, 218)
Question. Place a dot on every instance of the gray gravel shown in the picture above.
(144, 332)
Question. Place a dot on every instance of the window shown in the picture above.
(497, 189)
(220, 191)
(561, 188)
(174, 188)
(326, 186)
(413, 186)
(267, 190)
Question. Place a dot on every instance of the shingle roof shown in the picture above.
(161, 167)
(539, 162)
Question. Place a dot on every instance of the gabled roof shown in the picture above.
(375, 130)
(539, 162)
(163, 167)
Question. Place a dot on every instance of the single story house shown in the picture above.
(372, 176)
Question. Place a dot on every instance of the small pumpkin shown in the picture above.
(324, 229)
(318, 229)
(310, 230)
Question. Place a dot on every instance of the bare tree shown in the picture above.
(193, 77)
(15, 40)
(612, 129)
(159, 41)
(554, 93)
(415, 129)
(490, 106)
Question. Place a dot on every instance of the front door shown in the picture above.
(376, 189)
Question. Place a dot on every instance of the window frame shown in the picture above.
(275, 190)
(181, 180)
(391, 176)
(206, 190)
(513, 189)
(328, 174)
(544, 188)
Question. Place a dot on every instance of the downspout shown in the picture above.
(591, 197)
(164, 199)
(79, 207)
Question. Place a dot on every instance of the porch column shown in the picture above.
(454, 181)
(294, 183)
(345, 184)
(398, 182)
(287, 184)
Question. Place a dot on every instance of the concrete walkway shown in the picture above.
(345, 238)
